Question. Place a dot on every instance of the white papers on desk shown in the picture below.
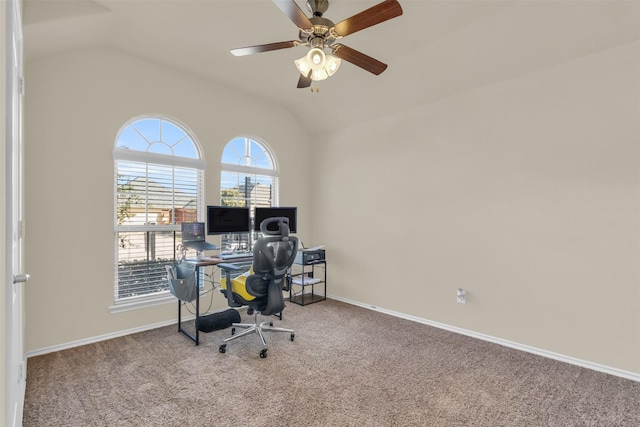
(307, 281)
(315, 248)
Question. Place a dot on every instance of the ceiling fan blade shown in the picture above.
(304, 81)
(293, 11)
(358, 58)
(249, 50)
(374, 15)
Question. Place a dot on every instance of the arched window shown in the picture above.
(158, 185)
(249, 177)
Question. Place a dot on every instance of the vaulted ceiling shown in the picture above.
(436, 49)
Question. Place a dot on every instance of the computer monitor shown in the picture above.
(227, 219)
(263, 213)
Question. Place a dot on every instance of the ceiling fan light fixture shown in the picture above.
(320, 65)
(317, 75)
(333, 63)
(312, 61)
(302, 66)
(317, 57)
(319, 33)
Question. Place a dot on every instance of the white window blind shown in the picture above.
(152, 199)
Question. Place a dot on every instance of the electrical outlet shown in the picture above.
(461, 296)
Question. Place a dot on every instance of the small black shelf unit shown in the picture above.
(304, 277)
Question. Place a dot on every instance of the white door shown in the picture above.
(15, 363)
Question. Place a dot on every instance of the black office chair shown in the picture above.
(261, 290)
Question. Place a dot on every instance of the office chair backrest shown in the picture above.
(273, 255)
(276, 250)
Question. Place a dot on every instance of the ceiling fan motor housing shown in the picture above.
(321, 35)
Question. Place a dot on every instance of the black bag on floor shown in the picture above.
(220, 320)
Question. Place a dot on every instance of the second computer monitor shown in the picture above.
(287, 212)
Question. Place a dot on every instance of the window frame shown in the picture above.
(155, 160)
(252, 171)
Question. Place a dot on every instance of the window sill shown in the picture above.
(142, 303)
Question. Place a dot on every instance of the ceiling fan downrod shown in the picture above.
(317, 7)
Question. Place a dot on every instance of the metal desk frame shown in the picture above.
(199, 265)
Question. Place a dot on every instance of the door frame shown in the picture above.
(15, 356)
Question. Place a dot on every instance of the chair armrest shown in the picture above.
(228, 268)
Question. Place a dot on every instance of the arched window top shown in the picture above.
(247, 152)
(159, 138)
(248, 178)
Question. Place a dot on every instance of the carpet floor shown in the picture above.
(347, 366)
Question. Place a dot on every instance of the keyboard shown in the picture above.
(203, 259)
(236, 255)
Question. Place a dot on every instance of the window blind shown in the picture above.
(152, 201)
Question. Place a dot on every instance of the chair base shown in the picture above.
(257, 327)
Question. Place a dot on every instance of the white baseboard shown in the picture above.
(540, 352)
(109, 336)
(104, 337)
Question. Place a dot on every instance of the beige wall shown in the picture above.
(525, 193)
(75, 105)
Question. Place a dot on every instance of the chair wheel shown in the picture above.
(233, 331)
(293, 336)
(270, 323)
(263, 354)
(222, 348)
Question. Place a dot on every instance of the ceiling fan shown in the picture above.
(320, 33)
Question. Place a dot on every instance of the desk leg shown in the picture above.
(197, 322)
(196, 336)
(179, 316)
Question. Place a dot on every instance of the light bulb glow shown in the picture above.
(319, 64)
(318, 75)
(333, 63)
(316, 58)
(302, 66)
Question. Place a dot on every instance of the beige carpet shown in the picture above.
(347, 367)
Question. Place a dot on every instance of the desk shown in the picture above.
(199, 264)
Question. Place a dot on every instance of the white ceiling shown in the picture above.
(437, 48)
